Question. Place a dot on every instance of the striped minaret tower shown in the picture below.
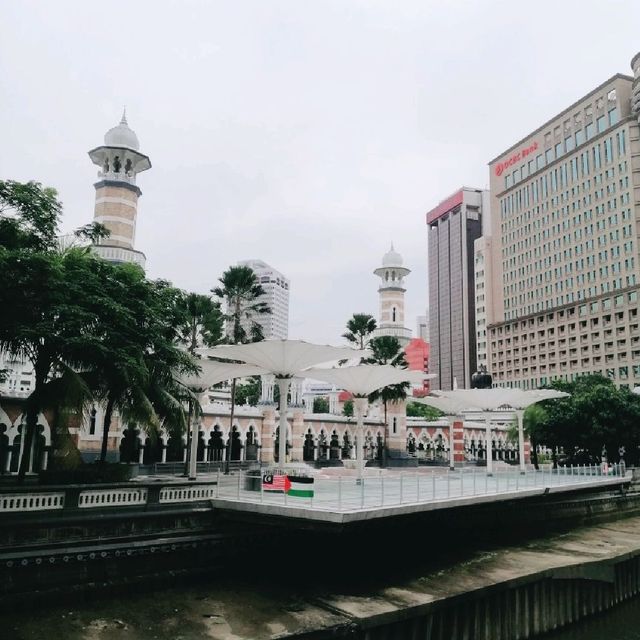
(117, 194)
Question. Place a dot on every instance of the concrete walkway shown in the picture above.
(344, 499)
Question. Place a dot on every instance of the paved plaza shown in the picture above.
(434, 488)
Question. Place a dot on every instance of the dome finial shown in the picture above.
(392, 249)
(124, 115)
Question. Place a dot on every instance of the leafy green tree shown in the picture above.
(387, 350)
(359, 328)
(137, 374)
(347, 409)
(419, 410)
(85, 325)
(320, 405)
(248, 392)
(596, 418)
(51, 301)
(203, 322)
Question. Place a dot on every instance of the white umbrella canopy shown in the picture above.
(363, 379)
(497, 398)
(212, 372)
(500, 398)
(284, 357)
(448, 406)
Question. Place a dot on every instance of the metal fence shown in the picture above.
(347, 493)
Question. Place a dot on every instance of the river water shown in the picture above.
(621, 623)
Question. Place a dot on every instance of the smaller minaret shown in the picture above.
(117, 194)
(391, 292)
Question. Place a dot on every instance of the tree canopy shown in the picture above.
(92, 330)
(359, 328)
(242, 293)
(595, 421)
(388, 350)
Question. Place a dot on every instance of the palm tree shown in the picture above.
(387, 350)
(242, 295)
(241, 292)
(202, 321)
(359, 328)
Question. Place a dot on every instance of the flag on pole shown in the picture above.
(275, 483)
(301, 487)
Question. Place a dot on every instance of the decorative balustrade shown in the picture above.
(187, 494)
(111, 497)
(31, 501)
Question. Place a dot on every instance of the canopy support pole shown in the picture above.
(283, 387)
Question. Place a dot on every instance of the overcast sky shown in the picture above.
(307, 133)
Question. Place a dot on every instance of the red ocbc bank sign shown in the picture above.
(523, 153)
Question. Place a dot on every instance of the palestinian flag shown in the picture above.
(301, 487)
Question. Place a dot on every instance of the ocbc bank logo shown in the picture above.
(523, 153)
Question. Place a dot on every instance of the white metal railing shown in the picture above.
(187, 494)
(111, 497)
(31, 501)
(392, 488)
(378, 488)
(120, 254)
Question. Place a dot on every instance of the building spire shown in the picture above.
(124, 116)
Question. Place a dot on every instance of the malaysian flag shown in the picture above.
(277, 483)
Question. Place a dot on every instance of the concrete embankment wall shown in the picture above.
(504, 612)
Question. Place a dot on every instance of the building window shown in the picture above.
(601, 124)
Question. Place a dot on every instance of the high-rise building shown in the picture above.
(453, 227)
(391, 295)
(566, 200)
(117, 194)
(276, 287)
(422, 327)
